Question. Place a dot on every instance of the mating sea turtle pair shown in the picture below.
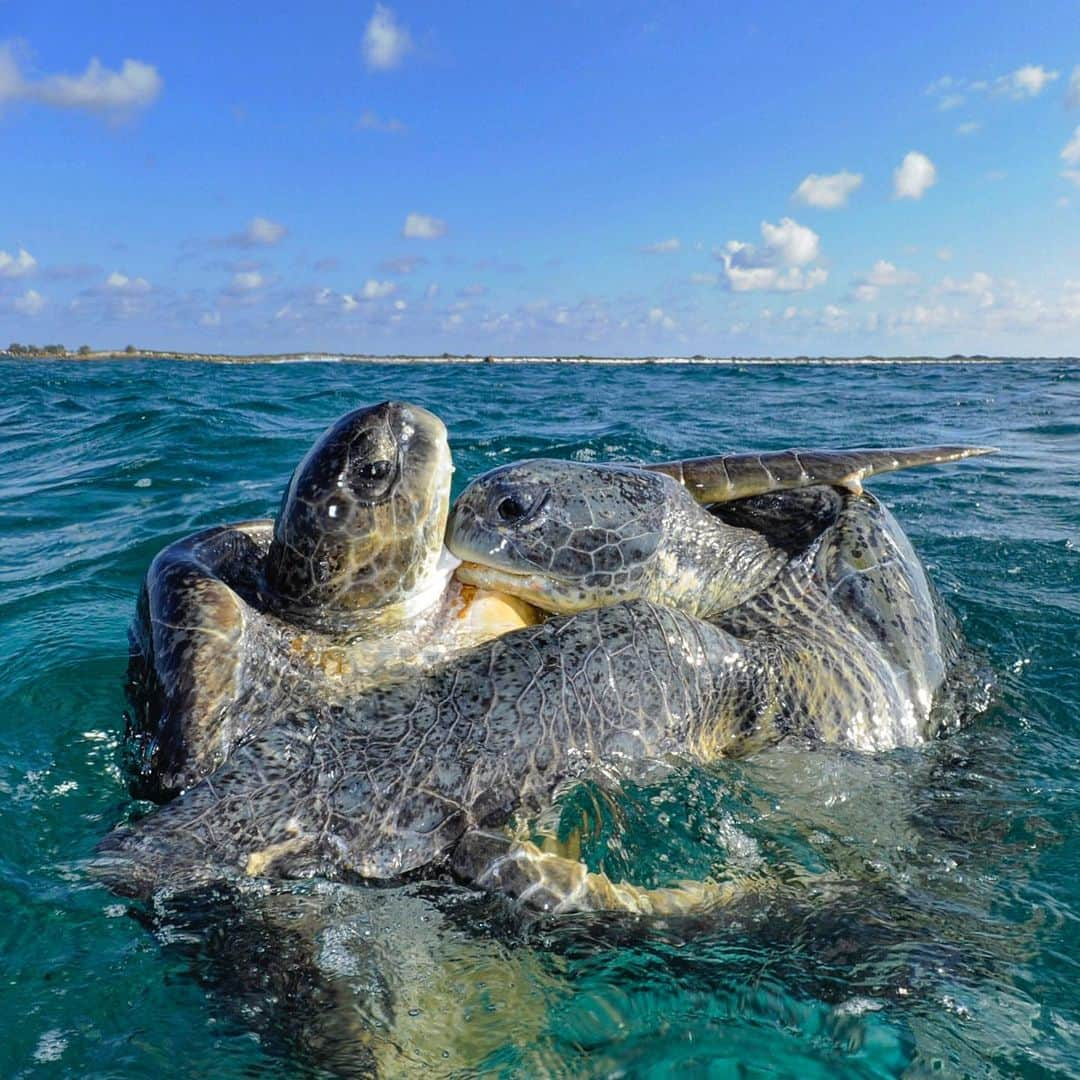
(820, 622)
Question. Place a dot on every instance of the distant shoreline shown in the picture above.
(145, 355)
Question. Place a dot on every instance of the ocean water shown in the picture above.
(932, 917)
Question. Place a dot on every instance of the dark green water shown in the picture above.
(937, 934)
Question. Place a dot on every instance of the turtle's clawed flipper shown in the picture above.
(558, 885)
(737, 476)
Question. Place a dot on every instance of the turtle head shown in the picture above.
(566, 536)
(361, 523)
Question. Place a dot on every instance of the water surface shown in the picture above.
(946, 943)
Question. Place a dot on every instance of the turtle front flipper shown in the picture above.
(557, 885)
(737, 476)
(186, 664)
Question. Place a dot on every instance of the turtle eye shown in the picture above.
(510, 510)
(374, 470)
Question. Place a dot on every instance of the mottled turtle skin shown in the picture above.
(349, 586)
(842, 634)
(843, 642)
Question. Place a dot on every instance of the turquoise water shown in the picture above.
(938, 931)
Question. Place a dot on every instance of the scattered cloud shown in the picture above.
(914, 176)
(1072, 94)
(1072, 175)
(661, 247)
(18, 265)
(704, 279)
(1020, 85)
(385, 41)
(245, 281)
(260, 232)
(30, 303)
(210, 319)
(371, 121)
(776, 266)
(406, 264)
(658, 317)
(882, 275)
(969, 127)
(980, 286)
(944, 254)
(1071, 151)
(121, 283)
(422, 227)
(377, 290)
(98, 89)
(469, 291)
(828, 192)
(1026, 82)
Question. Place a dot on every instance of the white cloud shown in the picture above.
(247, 281)
(1072, 95)
(1072, 175)
(946, 90)
(658, 317)
(30, 303)
(703, 279)
(371, 121)
(828, 192)
(376, 290)
(1022, 84)
(18, 265)
(1071, 151)
(422, 227)
(884, 273)
(661, 247)
(773, 279)
(794, 244)
(97, 90)
(260, 232)
(980, 286)
(121, 283)
(914, 176)
(210, 318)
(969, 127)
(1026, 82)
(944, 254)
(789, 242)
(922, 317)
(777, 265)
(385, 42)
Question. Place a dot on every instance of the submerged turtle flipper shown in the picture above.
(736, 476)
(558, 885)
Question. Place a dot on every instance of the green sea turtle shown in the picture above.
(349, 586)
(844, 635)
(403, 778)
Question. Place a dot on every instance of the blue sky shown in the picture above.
(606, 178)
